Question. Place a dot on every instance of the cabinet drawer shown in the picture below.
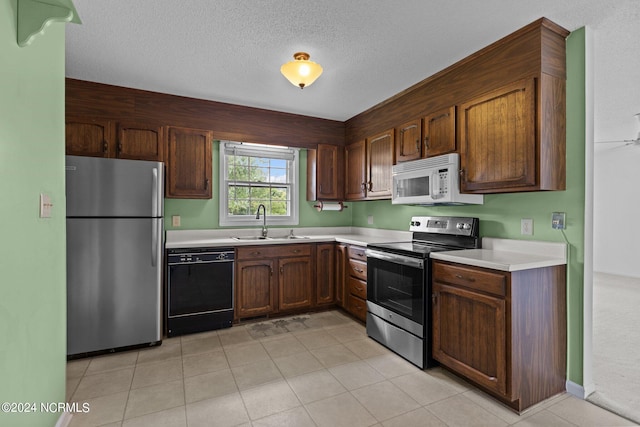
(357, 252)
(273, 251)
(358, 269)
(357, 307)
(470, 277)
(357, 288)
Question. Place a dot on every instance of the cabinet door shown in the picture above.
(138, 141)
(89, 137)
(379, 163)
(408, 145)
(295, 283)
(440, 132)
(325, 273)
(469, 335)
(188, 164)
(329, 172)
(498, 140)
(255, 293)
(341, 273)
(355, 171)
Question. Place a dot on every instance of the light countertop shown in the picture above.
(224, 237)
(509, 254)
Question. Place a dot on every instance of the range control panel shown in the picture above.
(461, 226)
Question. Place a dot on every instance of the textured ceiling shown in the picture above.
(232, 50)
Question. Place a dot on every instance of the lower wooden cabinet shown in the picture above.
(355, 281)
(503, 331)
(295, 283)
(255, 288)
(283, 278)
(341, 274)
(325, 273)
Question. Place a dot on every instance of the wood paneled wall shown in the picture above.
(227, 121)
(538, 48)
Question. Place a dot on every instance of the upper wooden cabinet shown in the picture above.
(188, 161)
(503, 109)
(498, 139)
(139, 141)
(439, 130)
(89, 137)
(355, 170)
(380, 151)
(408, 141)
(368, 166)
(106, 138)
(325, 173)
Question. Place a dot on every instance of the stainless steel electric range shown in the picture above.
(399, 284)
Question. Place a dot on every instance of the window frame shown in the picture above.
(260, 150)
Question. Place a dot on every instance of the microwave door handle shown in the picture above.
(435, 185)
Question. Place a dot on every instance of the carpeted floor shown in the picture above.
(616, 344)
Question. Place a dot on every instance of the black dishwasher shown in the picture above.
(199, 290)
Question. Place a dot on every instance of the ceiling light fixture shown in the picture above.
(301, 72)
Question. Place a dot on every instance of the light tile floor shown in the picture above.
(328, 375)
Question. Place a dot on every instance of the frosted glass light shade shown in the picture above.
(301, 72)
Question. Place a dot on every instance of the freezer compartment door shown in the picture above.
(113, 283)
(97, 187)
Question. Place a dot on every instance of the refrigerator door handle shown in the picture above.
(154, 193)
(155, 234)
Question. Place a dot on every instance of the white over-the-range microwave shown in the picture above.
(430, 181)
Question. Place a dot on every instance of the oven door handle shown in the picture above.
(395, 258)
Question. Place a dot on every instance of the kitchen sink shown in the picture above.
(288, 237)
(250, 238)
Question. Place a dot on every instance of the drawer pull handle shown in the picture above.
(359, 270)
(494, 379)
(255, 253)
(296, 251)
(468, 279)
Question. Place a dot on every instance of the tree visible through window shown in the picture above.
(255, 174)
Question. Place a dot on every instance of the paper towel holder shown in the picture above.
(330, 206)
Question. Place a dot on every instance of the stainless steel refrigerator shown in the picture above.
(114, 253)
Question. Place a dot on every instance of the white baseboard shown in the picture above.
(64, 420)
(579, 391)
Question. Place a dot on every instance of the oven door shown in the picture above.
(397, 283)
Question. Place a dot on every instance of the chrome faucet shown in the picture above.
(264, 216)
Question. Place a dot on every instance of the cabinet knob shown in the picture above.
(363, 185)
(206, 184)
(119, 147)
(105, 146)
(426, 142)
(417, 145)
(434, 299)
(370, 185)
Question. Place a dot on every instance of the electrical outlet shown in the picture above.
(370, 219)
(175, 220)
(558, 220)
(45, 205)
(526, 226)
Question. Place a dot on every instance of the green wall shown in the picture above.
(204, 214)
(501, 213)
(32, 258)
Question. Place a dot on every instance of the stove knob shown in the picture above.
(467, 226)
(459, 226)
(413, 223)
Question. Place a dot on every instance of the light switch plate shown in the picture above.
(175, 220)
(370, 219)
(526, 226)
(45, 206)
